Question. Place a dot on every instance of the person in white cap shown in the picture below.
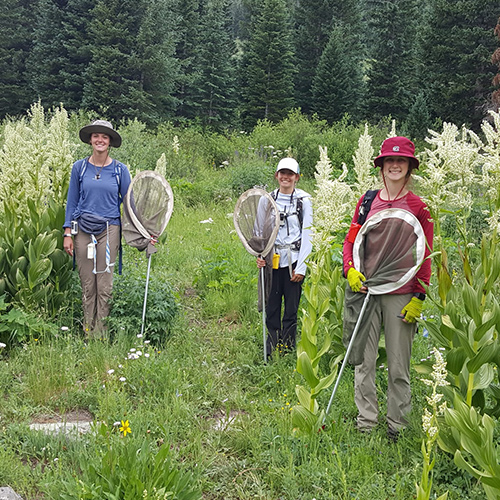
(92, 232)
(293, 246)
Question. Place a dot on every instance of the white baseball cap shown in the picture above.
(288, 164)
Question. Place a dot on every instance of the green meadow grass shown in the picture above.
(205, 392)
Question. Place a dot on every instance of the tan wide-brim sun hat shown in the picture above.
(101, 127)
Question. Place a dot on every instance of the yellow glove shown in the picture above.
(412, 310)
(355, 279)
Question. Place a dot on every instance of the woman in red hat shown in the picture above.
(97, 187)
(395, 312)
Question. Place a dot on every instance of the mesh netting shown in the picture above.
(146, 210)
(256, 220)
(389, 249)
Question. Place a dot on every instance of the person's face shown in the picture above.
(287, 179)
(99, 142)
(395, 168)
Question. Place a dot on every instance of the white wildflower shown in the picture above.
(363, 163)
(176, 145)
(161, 165)
(110, 372)
(333, 200)
(123, 379)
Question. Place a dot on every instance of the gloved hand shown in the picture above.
(412, 310)
(355, 279)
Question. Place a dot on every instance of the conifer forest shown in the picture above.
(231, 63)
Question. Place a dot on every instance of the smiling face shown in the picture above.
(287, 180)
(396, 168)
(99, 142)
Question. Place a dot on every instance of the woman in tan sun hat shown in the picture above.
(394, 312)
(97, 187)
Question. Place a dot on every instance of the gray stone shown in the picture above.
(67, 428)
(8, 493)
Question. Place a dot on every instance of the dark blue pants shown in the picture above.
(282, 331)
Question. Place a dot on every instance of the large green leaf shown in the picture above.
(59, 260)
(471, 303)
(18, 249)
(42, 247)
(303, 419)
(455, 359)
(324, 383)
(304, 367)
(483, 377)
(463, 338)
(303, 395)
(39, 272)
(486, 354)
(484, 327)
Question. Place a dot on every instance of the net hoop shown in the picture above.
(420, 245)
(170, 203)
(263, 194)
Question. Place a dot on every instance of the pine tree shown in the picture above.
(268, 70)
(15, 43)
(313, 26)
(216, 83)
(392, 81)
(457, 44)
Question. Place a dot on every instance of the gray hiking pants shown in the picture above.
(398, 343)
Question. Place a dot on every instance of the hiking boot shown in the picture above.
(392, 435)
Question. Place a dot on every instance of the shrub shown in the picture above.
(127, 307)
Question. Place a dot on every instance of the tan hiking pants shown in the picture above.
(96, 287)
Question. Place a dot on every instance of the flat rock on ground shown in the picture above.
(75, 422)
(9, 494)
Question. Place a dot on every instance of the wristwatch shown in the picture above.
(420, 295)
(67, 235)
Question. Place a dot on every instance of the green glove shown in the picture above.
(355, 279)
(412, 310)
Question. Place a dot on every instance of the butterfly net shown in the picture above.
(147, 209)
(388, 251)
(256, 220)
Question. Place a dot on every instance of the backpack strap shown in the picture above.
(366, 204)
(83, 168)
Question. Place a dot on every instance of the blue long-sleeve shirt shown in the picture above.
(98, 192)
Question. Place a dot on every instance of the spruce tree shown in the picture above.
(338, 86)
(495, 59)
(216, 82)
(15, 43)
(115, 78)
(186, 52)
(392, 82)
(60, 52)
(268, 70)
(456, 45)
(154, 56)
(313, 27)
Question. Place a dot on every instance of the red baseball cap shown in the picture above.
(397, 146)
